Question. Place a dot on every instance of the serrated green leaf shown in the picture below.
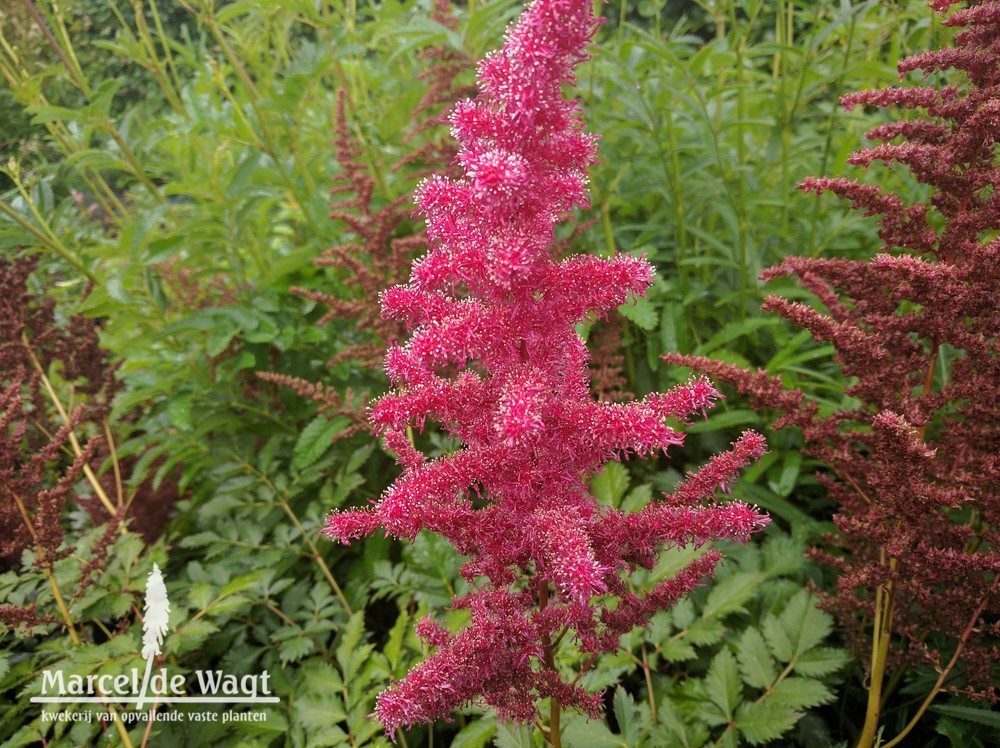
(756, 664)
(581, 732)
(179, 410)
(82, 731)
(684, 614)
(729, 595)
(351, 654)
(394, 644)
(240, 583)
(318, 711)
(799, 628)
(704, 632)
(800, 693)
(986, 717)
(294, 649)
(513, 736)
(722, 683)
(640, 311)
(476, 734)
(676, 650)
(191, 636)
(673, 328)
(201, 594)
(820, 661)
(960, 734)
(637, 498)
(315, 439)
(627, 716)
(783, 556)
(761, 722)
(789, 474)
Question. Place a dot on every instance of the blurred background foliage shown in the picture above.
(169, 164)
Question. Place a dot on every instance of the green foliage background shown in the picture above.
(193, 140)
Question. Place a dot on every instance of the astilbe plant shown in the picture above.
(915, 467)
(42, 460)
(495, 359)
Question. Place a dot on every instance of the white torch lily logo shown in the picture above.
(154, 624)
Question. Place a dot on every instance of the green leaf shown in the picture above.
(760, 722)
(609, 485)
(318, 705)
(676, 650)
(799, 628)
(800, 693)
(970, 714)
(394, 644)
(627, 716)
(513, 736)
(728, 419)
(475, 734)
(730, 594)
(351, 654)
(789, 474)
(756, 664)
(640, 311)
(733, 330)
(820, 661)
(960, 734)
(241, 583)
(179, 410)
(704, 632)
(722, 683)
(673, 328)
(637, 498)
(316, 438)
(581, 732)
(294, 649)
(191, 636)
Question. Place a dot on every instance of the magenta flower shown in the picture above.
(495, 359)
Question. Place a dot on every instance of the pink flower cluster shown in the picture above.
(495, 359)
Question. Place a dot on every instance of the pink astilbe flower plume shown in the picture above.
(494, 357)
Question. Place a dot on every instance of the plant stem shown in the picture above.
(75, 73)
(881, 634)
(317, 557)
(555, 707)
(649, 685)
(91, 477)
(119, 489)
(43, 232)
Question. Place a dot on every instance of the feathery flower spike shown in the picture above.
(494, 357)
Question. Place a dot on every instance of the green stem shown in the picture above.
(47, 238)
(317, 557)
(881, 634)
(65, 53)
(555, 707)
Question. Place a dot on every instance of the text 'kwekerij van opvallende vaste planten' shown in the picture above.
(271, 271)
